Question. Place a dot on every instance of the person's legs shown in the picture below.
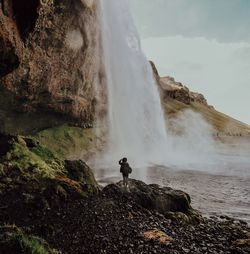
(126, 181)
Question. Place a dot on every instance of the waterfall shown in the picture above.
(136, 121)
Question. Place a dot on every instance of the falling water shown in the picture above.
(137, 128)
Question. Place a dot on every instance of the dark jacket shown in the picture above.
(125, 169)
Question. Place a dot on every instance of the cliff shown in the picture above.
(48, 63)
(169, 88)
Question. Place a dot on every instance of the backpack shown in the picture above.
(129, 170)
(126, 169)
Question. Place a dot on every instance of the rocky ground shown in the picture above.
(52, 206)
(112, 222)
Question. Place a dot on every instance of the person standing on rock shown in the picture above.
(125, 170)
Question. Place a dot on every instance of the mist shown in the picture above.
(190, 142)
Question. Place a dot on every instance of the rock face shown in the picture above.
(174, 90)
(169, 88)
(48, 62)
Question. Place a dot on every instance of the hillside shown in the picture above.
(176, 97)
(223, 124)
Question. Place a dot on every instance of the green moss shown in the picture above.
(81, 172)
(70, 142)
(43, 153)
(26, 159)
(31, 244)
(14, 240)
(37, 160)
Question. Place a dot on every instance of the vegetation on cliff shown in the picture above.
(71, 142)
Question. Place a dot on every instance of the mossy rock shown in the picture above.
(69, 142)
(13, 240)
(79, 171)
(33, 169)
(24, 156)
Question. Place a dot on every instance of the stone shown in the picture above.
(79, 171)
(45, 78)
(163, 200)
(157, 235)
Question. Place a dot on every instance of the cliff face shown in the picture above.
(48, 63)
(169, 88)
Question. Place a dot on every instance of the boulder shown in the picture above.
(174, 204)
(79, 171)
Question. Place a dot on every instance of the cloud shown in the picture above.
(190, 66)
(224, 20)
(242, 55)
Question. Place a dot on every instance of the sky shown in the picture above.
(205, 44)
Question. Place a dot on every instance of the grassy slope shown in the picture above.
(221, 122)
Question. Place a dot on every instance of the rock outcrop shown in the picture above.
(169, 88)
(173, 204)
(35, 176)
(48, 63)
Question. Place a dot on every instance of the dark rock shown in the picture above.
(79, 171)
(174, 204)
(5, 144)
(30, 142)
